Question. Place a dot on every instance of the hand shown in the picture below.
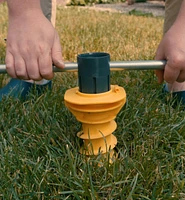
(172, 49)
(32, 46)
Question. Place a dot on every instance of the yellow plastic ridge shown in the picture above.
(97, 113)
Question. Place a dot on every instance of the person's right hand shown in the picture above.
(32, 46)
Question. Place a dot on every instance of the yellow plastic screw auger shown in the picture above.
(95, 110)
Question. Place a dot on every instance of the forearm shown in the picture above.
(180, 20)
(18, 7)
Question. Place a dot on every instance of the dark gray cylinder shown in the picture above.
(94, 72)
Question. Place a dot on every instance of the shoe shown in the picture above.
(17, 88)
(179, 96)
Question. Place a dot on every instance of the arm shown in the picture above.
(172, 49)
(32, 42)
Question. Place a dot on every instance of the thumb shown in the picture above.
(56, 53)
(159, 73)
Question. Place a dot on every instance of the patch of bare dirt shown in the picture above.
(157, 8)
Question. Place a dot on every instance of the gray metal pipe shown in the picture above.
(114, 66)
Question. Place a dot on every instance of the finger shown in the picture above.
(20, 68)
(181, 77)
(10, 68)
(160, 56)
(32, 67)
(45, 66)
(160, 75)
(171, 74)
(178, 65)
(56, 53)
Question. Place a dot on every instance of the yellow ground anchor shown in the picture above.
(95, 103)
(97, 113)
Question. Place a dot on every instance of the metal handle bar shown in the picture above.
(114, 66)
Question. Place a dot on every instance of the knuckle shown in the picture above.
(20, 73)
(12, 47)
(10, 71)
(178, 62)
(47, 74)
(35, 77)
(25, 51)
(168, 80)
(9, 66)
(42, 49)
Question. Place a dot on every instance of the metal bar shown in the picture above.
(114, 66)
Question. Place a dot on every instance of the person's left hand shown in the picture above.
(172, 49)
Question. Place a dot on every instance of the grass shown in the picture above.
(39, 156)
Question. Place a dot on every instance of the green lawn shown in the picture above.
(39, 150)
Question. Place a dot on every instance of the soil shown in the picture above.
(157, 8)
